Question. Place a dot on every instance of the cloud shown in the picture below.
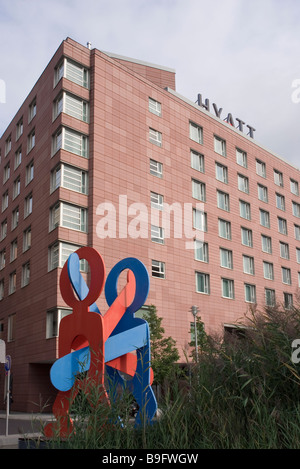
(242, 55)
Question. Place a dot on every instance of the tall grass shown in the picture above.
(242, 394)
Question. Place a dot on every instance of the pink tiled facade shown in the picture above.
(113, 130)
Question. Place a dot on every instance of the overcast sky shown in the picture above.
(243, 55)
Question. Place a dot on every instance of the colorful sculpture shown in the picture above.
(94, 343)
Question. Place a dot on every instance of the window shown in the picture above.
(32, 110)
(4, 201)
(270, 297)
(155, 137)
(68, 216)
(27, 239)
(16, 187)
(298, 255)
(221, 173)
(268, 270)
(250, 293)
(247, 238)
(224, 229)
(201, 251)
(28, 205)
(227, 288)
(6, 173)
(13, 250)
(19, 129)
(198, 190)
(76, 73)
(196, 133)
(29, 172)
(15, 218)
(11, 327)
(2, 259)
(69, 177)
(197, 161)
(297, 232)
(157, 234)
(260, 168)
(31, 141)
(264, 218)
(220, 146)
(284, 250)
(294, 187)
(3, 230)
(1, 289)
(296, 209)
(156, 168)
(262, 193)
(243, 183)
(199, 220)
(241, 157)
(248, 263)
(18, 158)
(245, 210)
(71, 105)
(202, 283)
(278, 178)
(157, 200)
(280, 202)
(154, 107)
(25, 274)
(282, 226)
(12, 285)
(286, 275)
(53, 321)
(158, 269)
(266, 244)
(58, 255)
(71, 141)
(7, 145)
(223, 200)
(288, 300)
(226, 259)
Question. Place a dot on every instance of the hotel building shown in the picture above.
(105, 153)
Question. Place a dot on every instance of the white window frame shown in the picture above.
(223, 200)
(154, 107)
(250, 293)
(198, 190)
(266, 244)
(227, 288)
(268, 269)
(226, 258)
(221, 173)
(196, 133)
(247, 237)
(156, 168)
(219, 145)
(197, 161)
(241, 158)
(201, 251)
(248, 265)
(205, 282)
(157, 200)
(157, 234)
(245, 210)
(227, 228)
(155, 137)
(158, 269)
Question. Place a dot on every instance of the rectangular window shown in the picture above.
(68, 216)
(243, 183)
(197, 161)
(280, 202)
(69, 177)
(154, 107)
(270, 297)
(59, 254)
(247, 238)
(158, 269)
(196, 133)
(286, 275)
(266, 244)
(76, 73)
(198, 190)
(298, 255)
(288, 300)
(16, 187)
(15, 218)
(245, 210)
(221, 173)
(32, 110)
(157, 201)
(19, 129)
(224, 229)
(282, 226)
(18, 158)
(250, 293)
(227, 288)
(71, 141)
(297, 232)
(284, 250)
(202, 283)
(4, 201)
(264, 218)
(157, 234)
(31, 141)
(11, 328)
(226, 259)
(199, 220)
(296, 209)
(201, 251)
(223, 200)
(27, 239)
(268, 270)
(12, 284)
(220, 146)
(7, 145)
(29, 173)
(155, 137)
(241, 157)
(25, 274)
(156, 168)
(28, 205)
(71, 105)
(294, 187)
(13, 250)
(3, 230)
(53, 321)
(262, 193)
(2, 259)
(248, 264)
(1, 289)
(260, 168)
(278, 178)
(6, 173)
